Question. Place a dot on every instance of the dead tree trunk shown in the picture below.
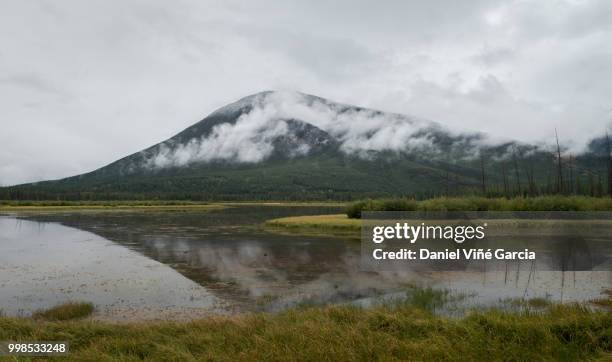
(529, 171)
(599, 186)
(516, 170)
(559, 166)
(609, 164)
(482, 173)
(571, 175)
(506, 193)
(549, 172)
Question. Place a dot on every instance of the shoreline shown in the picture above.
(46, 206)
(340, 332)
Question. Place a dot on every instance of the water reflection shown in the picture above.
(246, 268)
(44, 264)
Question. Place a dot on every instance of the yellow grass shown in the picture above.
(341, 333)
(336, 225)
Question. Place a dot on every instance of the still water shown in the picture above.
(181, 265)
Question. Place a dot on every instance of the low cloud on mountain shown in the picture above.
(358, 131)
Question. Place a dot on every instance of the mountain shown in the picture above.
(289, 145)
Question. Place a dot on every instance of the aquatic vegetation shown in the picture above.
(606, 301)
(428, 298)
(319, 223)
(66, 311)
(603, 302)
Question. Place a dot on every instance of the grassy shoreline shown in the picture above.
(336, 333)
(326, 225)
(476, 203)
(349, 224)
(339, 225)
(109, 208)
(51, 206)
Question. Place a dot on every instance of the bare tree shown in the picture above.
(516, 169)
(570, 182)
(599, 186)
(505, 177)
(559, 166)
(482, 173)
(591, 184)
(609, 163)
(549, 172)
(529, 171)
(447, 182)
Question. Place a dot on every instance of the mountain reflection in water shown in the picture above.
(234, 258)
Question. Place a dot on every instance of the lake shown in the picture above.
(181, 265)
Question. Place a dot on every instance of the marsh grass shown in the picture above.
(337, 333)
(337, 224)
(603, 302)
(64, 312)
(606, 301)
(538, 302)
(428, 298)
(534, 303)
(472, 203)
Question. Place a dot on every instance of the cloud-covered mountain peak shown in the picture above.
(243, 105)
(275, 124)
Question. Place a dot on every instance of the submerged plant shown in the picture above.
(66, 311)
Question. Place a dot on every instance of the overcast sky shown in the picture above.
(83, 83)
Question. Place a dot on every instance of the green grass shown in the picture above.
(603, 302)
(538, 302)
(428, 298)
(338, 224)
(64, 312)
(336, 333)
(473, 203)
(606, 301)
(52, 206)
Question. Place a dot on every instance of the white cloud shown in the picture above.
(251, 138)
(86, 83)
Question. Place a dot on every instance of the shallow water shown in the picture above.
(144, 265)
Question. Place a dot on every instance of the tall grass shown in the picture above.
(336, 333)
(428, 298)
(474, 203)
(337, 222)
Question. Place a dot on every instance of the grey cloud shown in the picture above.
(326, 57)
(31, 82)
(493, 56)
(94, 81)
